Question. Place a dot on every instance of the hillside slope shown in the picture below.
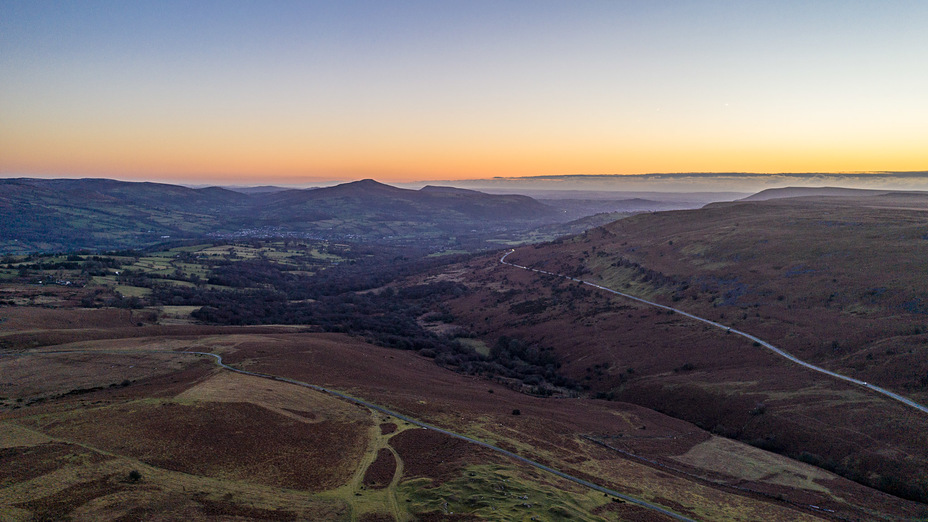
(836, 281)
(55, 215)
(378, 205)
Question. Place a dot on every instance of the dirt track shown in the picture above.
(219, 361)
(577, 480)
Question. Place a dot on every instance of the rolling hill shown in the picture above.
(96, 214)
(377, 206)
(645, 401)
(615, 392)
(796, 192)
(839, 281)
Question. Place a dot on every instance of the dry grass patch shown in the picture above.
(47, 375)
(13, 436)
(175, 313)
(69, 482)
(745, 462)
(296, 402)
(24, 318)
(237, 441)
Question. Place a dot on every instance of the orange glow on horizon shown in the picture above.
(238, 160)
(309, 91)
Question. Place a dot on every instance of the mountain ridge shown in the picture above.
(96, 213)
(797, 192)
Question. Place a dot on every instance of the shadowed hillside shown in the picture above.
(98, 214)
(380, 205)
(55, 215)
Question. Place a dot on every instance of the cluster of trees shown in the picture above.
(534, 364)
(331, 301)
(356, 295)
(48, 265)
(523, 365)
(87, 265)
(262, 291)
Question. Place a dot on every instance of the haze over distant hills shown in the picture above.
(67, 214)
(690, 182)
(61, 214)
(796, 192)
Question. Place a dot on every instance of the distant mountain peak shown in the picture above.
(438, 189)
(366, 182)
(362, 187)
(365, 208)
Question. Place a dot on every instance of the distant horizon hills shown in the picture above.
(716, 182)
(44, 215)
(63, 214)
(580, 191)
(678, 187)
(48, 215)
(743, 182)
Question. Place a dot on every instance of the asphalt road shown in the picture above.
(765, 344)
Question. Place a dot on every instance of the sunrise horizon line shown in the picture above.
(243, 181)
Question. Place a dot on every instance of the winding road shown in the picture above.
(765, 344)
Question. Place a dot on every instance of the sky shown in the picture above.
(256, 92)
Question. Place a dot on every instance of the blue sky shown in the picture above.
(271, 91)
